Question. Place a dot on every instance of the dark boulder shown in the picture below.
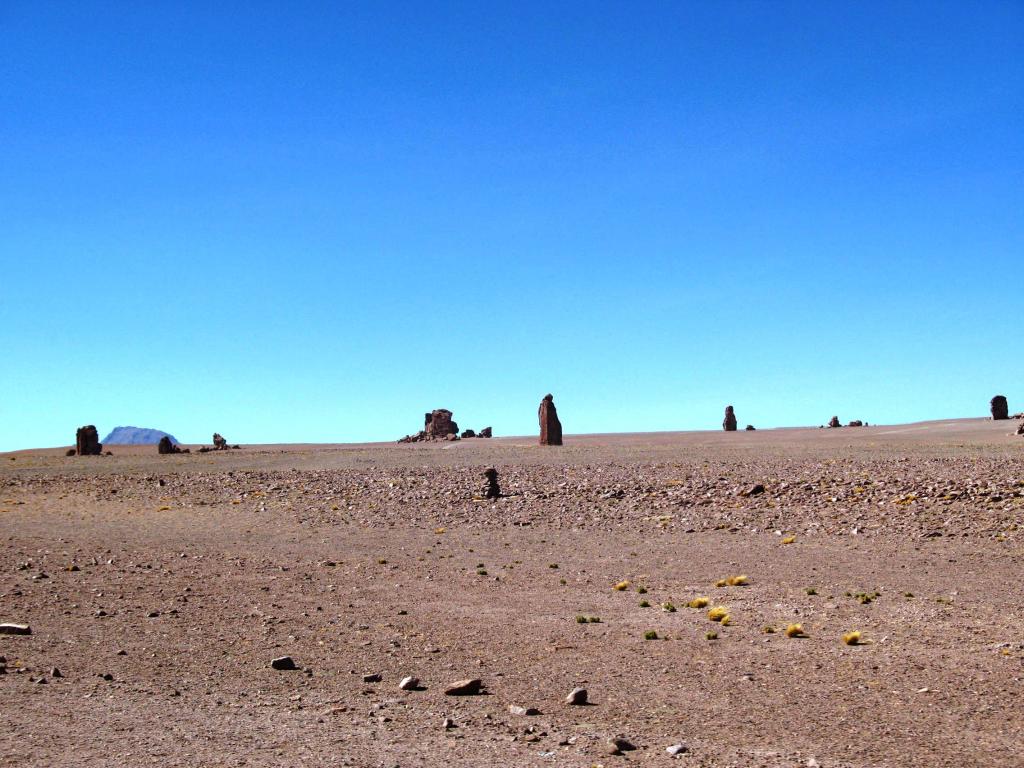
(491, 487)
(729, 423)
(165, 446)
(87, 442)
(999, 408)
(834, 423)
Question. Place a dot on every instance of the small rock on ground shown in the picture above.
(464, 688)
(523, 711)
(577, 696)
(283, 663)
(618, 745)
(409, 683)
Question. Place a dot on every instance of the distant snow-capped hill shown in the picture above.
(136, 436)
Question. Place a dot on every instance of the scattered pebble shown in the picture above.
(617, 745)
(523, 711)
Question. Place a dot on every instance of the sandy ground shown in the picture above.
(181, 577)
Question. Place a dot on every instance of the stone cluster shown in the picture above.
(439, 425)
(220, 443)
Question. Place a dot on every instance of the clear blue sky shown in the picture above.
(314, 222)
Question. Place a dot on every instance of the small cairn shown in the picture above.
(550, 426)
(999, 408)
(729, 423)
(491, 488)
(87, 442)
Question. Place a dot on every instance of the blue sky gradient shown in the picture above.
(314, 222)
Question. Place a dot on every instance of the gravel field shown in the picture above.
(159, 588)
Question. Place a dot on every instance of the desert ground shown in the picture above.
(159, 588)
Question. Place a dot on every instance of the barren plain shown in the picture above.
(159, 588)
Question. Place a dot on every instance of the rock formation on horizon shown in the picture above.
(136, 436)
(729, 424)
(751, 428)
(999, 407)
(550, 426)
(438, 424)
(856, 423)
(220, 443)
(87, 442)
(166, 446)
(834, 423)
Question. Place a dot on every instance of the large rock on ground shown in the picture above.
(438, 424)
(729, 423)
(999, 408)
(87, 441)
(550, 426)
